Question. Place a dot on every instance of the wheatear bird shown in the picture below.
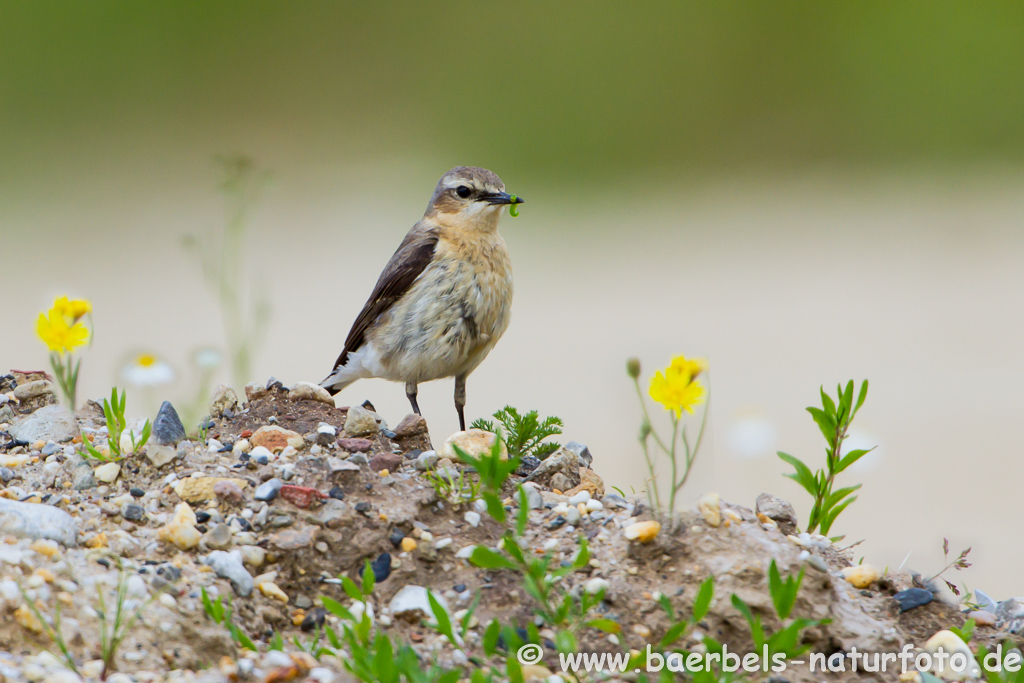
(445, 297)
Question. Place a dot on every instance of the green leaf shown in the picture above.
(702, 602)
(383, 661)
(523, 515)
(494, 507)
(850, 458)
(606, 625)
(444, 622)
(369, 579)
(488, 559)
(491, 634)
(826, 522)
(826, 423)
(336, 608)
(674, 633)
(803, 474)
(583, 556)
(351, 588)
(862, 396)
(827, 403)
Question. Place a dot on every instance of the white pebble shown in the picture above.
(594, 504)
(581, 497)
(596, 585)
(473, 517)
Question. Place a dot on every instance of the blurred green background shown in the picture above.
(801, 192)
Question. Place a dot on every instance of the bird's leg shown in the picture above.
(410, 393)
(460, 400)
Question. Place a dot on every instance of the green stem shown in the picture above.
(675, 465)
(643, 406)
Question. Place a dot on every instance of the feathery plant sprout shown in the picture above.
(833, 419)
(62, 330)
(245, 313)
(678, 390)
(524, 434)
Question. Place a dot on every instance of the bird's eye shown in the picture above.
(463, 191)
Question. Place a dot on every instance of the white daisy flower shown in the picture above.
(147, 371)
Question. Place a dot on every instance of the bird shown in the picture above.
(443, 300)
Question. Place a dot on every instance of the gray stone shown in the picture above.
(564, 462)
(426, 460)
(160, 455)
(83, 478)
(359, 459)
(534, 500)
(333, 513)
(7, 415)
(28, 390)
(986, 601)
(218, 537)
(778, 510)
(167, 427)
(337, 465)
(133, 512)
(229, 566)
(35, 520)
(582, 451)
(50, 448)
(268, 490)
(6, 474)
(360, 422)
(49, 423)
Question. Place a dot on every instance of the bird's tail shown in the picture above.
(344, 375)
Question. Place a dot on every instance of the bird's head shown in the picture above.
(469, 197)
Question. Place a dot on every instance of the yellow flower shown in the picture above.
(57, 334)
(676, 388)
(72, 309)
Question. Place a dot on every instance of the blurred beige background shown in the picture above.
(802, 195)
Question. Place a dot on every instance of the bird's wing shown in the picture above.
(407, 263)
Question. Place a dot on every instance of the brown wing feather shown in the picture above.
(408, 261)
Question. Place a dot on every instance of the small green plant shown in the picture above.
(786, 640)
(959, 563)
(524, 434)
(678, 390)
(371, 656)
(493, 472)
(53, 632)
(833, 419)
(541, 579)
(220, 613)
(114, 626)
(455, 489)
(113, 411)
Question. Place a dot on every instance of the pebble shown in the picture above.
(360, 422)
(167, 427)
(425, 461)
(581, 497)
(268, 490)
(274, 439)
(224, 400)
(475, 442)
(527, 464)
(307, 391)
(861, 575)
(133, 512)
(160, 455)
(593, 505)
(472, 517)
(982, 617)
(645, 532)
(49, 423)
(381, 567)
(581, 450)
(136, 492)
(596, 585)
(408, 544)
(913, 597)
(229, 566)
(181, 530)
(354, 444)
(108, 472)
(710, 509)
(951, 645)
(229, 491)
(7, 474)
(534, 500)
(411, 603)
(28, 390)
(778, 510)
(572, 516)
(253, 555)
(34, 521)
(271, 590)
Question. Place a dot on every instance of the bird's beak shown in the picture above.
(498, 198)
